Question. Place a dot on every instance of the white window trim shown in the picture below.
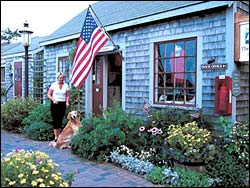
(198, 88)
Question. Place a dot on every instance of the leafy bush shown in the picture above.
(96, 142)
(190, 178)
(155, 175)
(99, 135)
(39, 131)
(14, 111)
(30, 169)
(169, 116)
(239, 144)
(227, 169)
(39, 114)
(189, 142)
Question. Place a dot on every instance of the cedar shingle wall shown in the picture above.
(242, 101)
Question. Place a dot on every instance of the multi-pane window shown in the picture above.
(2, 74)
(63, 66)
(175, 72)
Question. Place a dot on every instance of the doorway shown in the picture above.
(106, 82)
(18, 79)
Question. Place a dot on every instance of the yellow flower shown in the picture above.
(23, 181)
(35, 172)
(56, 177)
(42, 185)
(51, 182)
(12, 182)
(65, 184)
(34, 183)
(40, 180)
(20, 175)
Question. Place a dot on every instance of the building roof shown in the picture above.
(16, 48)
(121, 14)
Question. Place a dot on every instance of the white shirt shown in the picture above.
(59, 94)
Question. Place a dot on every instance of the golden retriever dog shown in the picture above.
(71, 129)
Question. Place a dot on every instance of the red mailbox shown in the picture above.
(223, 95)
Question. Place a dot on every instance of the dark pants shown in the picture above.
(57, 113)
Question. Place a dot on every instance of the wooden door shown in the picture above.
(98, 85)
(18, 79)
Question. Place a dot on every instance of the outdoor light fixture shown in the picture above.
(26, 40)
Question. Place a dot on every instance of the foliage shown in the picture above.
(22, 168)
(40, 131)
(169, 176)
(8, 35)
(226, 124)
(191, 178)
(99, 135)
(96, 140)
(75, 95)
(169, 116)
(239, 144)
(155, 175)
(71, 52)
(151, 139)
(131, 163)
(189, 142)
(228, 169)
(39, 114)
(2, 91)
(14, 111)
(70, 177)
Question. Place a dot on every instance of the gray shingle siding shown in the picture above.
(213, 28)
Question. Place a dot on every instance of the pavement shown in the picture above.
(91, 174)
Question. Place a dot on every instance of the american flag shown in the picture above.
(91, 40)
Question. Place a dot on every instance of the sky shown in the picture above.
(44, 17)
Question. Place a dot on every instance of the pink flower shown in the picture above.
(142, 128)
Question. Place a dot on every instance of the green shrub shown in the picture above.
(40, 131)
(39, 114)
(14, 111)
(168, 116)
(99, 135)
(239, 144)
(97, 142)
(155, 175)
(227, 168)
(191, 178)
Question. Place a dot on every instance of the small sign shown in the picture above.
(244, 41)
(236, 83)
(222, 66)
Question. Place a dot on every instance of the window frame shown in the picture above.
(66, 65)
(156, 72)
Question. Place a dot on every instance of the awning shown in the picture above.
(109, 50)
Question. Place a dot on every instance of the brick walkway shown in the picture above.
(91, 174)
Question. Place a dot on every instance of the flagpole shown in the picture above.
(104, 29)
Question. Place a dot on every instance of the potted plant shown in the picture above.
(189, 144)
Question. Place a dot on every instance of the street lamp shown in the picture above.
(26, 42)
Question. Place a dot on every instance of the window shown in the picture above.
(63, 66)
(2, 74)
(175, 72)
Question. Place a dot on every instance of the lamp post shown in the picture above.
(26, 42)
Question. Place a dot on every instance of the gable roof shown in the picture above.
(120, 14)
(17, 48)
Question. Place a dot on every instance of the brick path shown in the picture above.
(91, 174)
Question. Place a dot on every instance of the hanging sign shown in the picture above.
(244, 41)
(221, 66)
(236, 83)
